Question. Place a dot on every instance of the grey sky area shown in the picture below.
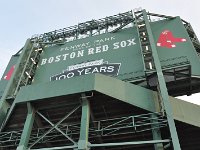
(20, 19)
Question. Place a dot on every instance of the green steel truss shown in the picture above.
(152, 62)
(84, 129)
(110, 127)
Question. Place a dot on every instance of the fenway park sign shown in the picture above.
(86, 49)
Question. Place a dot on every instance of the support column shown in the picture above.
(162, 86)
(27, 128)
(85, 120)
(156, 132)
(4, 106)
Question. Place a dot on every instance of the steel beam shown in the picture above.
(129, 143)
(162, 85)
(85, 119)
(109, 144)
(95, 124)
(27, 128)
(4, 106)
(8, 115)
(57, 148)
(156, 132)
(40, 125)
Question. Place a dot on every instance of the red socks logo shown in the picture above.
(9, 74)
(167, 39)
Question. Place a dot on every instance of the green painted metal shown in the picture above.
(110, 86)
(58, 88)
(106, 47)
(185, 111)
(109, 47)
(126, 92)
(156, 132)
(4, 106)
(123, 91)
(110, 144)
(55, 126)
(8, 115)
(162, 86)
(57, 148)
(10, 87)
(27, 128)
(3, 84)
(130, 143)
(85, 119)
(3, 81)
(183, 51)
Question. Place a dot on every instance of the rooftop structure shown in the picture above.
(104, 84)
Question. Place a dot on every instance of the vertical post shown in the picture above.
(162, 86)
(156, 132)
(27, 128)
(85, 119)
(4, 106)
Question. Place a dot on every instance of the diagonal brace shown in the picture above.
(56, 128)
(65, 117)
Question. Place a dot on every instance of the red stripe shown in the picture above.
(9, 74)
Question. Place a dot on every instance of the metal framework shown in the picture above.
(41, 132)
(109, 127)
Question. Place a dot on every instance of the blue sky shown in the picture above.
(20, 19)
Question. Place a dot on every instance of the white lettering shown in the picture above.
(98, 49)
(90, 51)
(43, 61)
(87, 70)
(80, 71)
(70, 75)
(62, 77)
(95, 70)
(123, 44)
(103, 69)
(78, 46)
(50, 60)
(116, 45)
(66, 48)
(131, 42)
(110, 69)
(105, 48)
(112, 38)
(58, 58)
(80, 53)
(107, 39)
(65, 56)
(72, 55)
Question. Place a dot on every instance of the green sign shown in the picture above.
(117, 54)
(111, 54)
(176, 46)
